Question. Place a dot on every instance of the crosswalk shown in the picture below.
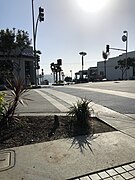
(62, 101)
(106, 91)
(52, 100)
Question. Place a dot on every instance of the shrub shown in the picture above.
(16, 89)
(80, 113)
(2, 103)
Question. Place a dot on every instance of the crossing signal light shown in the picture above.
(41, 14)
(107, 48)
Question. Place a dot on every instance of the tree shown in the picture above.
(123, 67)
(12, 44)
(56, 69)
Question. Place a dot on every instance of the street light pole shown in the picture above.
(82, 54)
(125, 39)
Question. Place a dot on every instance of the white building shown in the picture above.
(116, 74)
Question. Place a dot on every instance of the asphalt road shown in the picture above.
(118, 96)
(120, 104)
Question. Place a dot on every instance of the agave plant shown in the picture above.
(81, 112)
(15, 95)
(2, 103)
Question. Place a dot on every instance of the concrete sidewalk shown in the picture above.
(74, 158)
(69, 158)
(81, 157)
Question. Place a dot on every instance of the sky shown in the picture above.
(73, 26)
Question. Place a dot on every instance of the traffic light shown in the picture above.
(52, 66)
(107, 48)
(37, 62)
(38, 66)
(42, 73)
(41, 14)
(38, 58)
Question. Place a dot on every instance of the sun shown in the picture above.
(91, 5)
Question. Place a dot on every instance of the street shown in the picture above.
(118, 96)
(100, 93)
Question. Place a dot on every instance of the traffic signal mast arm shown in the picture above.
(108, 48)
(118, 49)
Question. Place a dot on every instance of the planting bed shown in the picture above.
(29, 130)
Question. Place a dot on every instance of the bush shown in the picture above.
(80, 113)
(16, 89)
(2, 103)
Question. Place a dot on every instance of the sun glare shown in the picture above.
(91, 5)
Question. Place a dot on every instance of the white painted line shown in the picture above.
(70, 99)
(58, 105)
(131, 115)
(116, 93)
(115, 119)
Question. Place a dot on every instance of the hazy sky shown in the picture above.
(70, 28)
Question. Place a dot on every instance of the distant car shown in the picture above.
(45, 82)
(68, 83)
(104, 79)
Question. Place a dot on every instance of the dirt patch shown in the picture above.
(31, 130)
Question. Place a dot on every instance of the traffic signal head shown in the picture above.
(41, 14)
(38, 66)
(107, 48)
(38, 58)
(37, 62)
(42, 73)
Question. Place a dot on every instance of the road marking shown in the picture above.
(105, 91)
(70, 99)
(131, 115)
(115, 119)
(58, 105)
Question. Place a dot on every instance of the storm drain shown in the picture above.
(7, 159)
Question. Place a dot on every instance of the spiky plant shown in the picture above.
(2, 103)
(81, 112)
(15, 95)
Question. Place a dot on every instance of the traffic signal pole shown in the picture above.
(39, 18)
(124, 39)
(34, 44)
